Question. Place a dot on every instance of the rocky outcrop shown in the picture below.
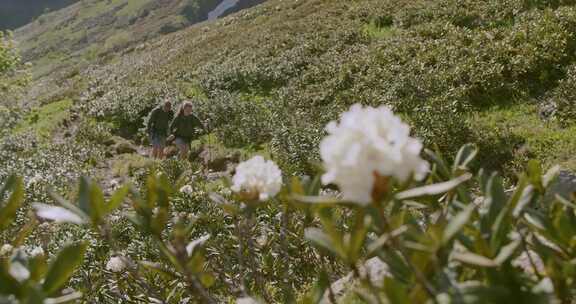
(374, 268)
(565, 186)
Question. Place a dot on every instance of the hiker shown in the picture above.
(158, 126)
(184, 128)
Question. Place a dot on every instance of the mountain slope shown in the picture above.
(271, 77)
(93, 30)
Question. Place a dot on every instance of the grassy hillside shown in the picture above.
(91, 31)
(274, 75)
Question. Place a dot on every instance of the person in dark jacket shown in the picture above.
(158, 127)
(184, 128)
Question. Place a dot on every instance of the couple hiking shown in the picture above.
(163, 128)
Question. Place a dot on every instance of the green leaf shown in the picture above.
(535, 174)
(63, 267)
(358, 236)
(383, 239)
(117, 199)
(64, 203)
(550, 176)
(457, 223)
(440, 163)
(465, 155)
(506, 252)
(434, 189)
(8, 211)
(8, 285)
(396, 292)
(97, 207)
(207, 279)
(322, 240)
(473, 259)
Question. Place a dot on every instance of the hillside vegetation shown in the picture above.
(267, 80)
(274, 75)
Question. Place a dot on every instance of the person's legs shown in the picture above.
(158, 142)
(184, 147)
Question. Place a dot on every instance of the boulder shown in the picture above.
(218, 162)
(125, 148)
(564, 185)
(374, 268)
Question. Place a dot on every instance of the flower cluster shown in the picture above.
(115, 264)
(366, 144)
(258, 178)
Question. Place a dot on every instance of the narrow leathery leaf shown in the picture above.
(62, 268)
(38, 267)
(218, 199)
(316, 200)
(96, 202)
(117, 198)
(168, 255)
(473, 259)
(495, 200)
(159, 220)
(8, 210)
(8, 285)
(66, 204)
(84, 195)
(457, 223)
(160, 270)
(313, 188)
(64, 299)
(550, 176)
(565, 202)
(207, 279)
(196, 243)
(434, 189)
(8, 186)
(465, 155)
(524, 198)
(535, 174)
(439, 162)
(321, 240)
(358, 236)
(320, 288)
(500, 228)
(396, 293)
(534, 221)
(506, 252)
(383, 239)
(296, 186)
(57, 214)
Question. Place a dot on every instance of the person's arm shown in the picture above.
(152, 120)
(173, 125)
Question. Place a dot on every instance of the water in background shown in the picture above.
(222, 8)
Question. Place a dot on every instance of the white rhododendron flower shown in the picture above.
(57, 214)
(115, 264)
(188, 190)
(259, 177)
(6, 249)
(368, 142)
